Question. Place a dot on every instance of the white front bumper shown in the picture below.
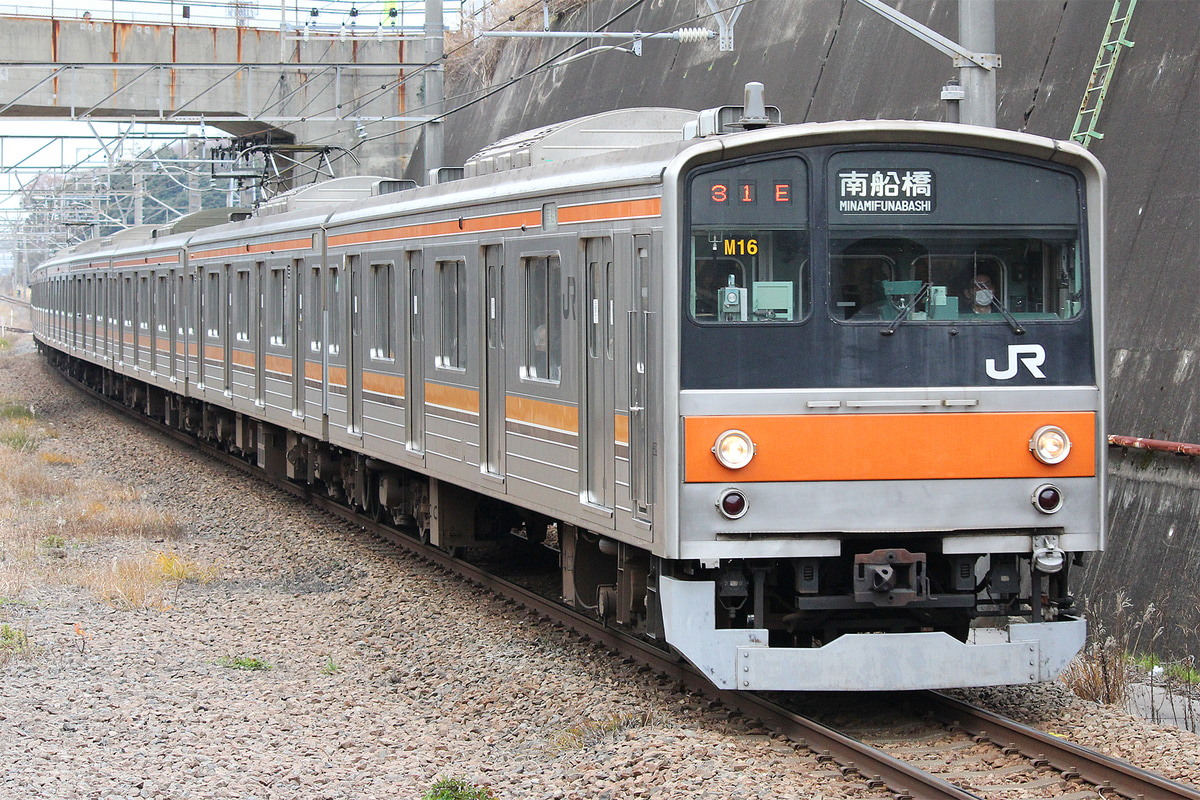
(740, 658)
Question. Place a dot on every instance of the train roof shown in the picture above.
(627, 147)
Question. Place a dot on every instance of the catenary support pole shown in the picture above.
(977, 33)
(434, 97)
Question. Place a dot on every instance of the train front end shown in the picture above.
(889, 405)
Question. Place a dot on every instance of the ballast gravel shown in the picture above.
(385, 674)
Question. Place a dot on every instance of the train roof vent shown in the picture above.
(625, 129)
(90, 246)
(392, 185)
(125, 235)
(444, 175)
(315, 196)
(205, 218)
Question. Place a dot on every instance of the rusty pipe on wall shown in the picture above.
(1159, 445)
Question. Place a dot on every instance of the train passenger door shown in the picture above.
(125, 329)
(177, 306)
(332, 354)
(295, 284)
(414, 401)
(598, 434)
(258, 329)
(227, 330)
(492, 438)
(354, 359)
(641, 456)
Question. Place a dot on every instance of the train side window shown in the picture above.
(334, 307)
(212, 305)
(163, 304)
(542, 279)
(241, 299)
(143, 315)
(383, 297)
(314, 299)
(127, 317)
(276, 302)
(452, 290)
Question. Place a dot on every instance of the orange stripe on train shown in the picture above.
(865, 447)
(542, 413)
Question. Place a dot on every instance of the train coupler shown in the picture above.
(890, 577)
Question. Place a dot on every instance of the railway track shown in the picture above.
(1048, 766)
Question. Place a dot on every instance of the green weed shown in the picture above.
(14, 410)
(14, 643)
(243, 662)
(1180, 671)
(455, 789)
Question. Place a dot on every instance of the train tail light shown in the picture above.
(1047, 498)
(732, 503)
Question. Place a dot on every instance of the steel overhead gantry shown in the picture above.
(165, 109)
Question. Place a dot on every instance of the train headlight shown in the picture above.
(734, 449)
(1050, 444)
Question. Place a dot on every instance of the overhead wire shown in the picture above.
(547, 63)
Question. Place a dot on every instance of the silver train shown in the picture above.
(819, 406)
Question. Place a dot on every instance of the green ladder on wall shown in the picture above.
(1106, 66)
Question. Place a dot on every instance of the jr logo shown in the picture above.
(1031, 355)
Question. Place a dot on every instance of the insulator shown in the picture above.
(693, 35)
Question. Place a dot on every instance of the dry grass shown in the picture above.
(81, 518)
(1099, 673)
(20, 429)
(51, 458)
(471, 60)
(27, 481)
(592, 731)
(1105, 669)
(148, 581)
(58, 526)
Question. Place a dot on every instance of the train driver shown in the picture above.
(979, 293)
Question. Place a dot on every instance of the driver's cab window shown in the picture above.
(749, 238)
(748, 276)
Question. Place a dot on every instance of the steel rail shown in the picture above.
(1105, 772)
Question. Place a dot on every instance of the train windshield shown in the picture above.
(962, 275)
